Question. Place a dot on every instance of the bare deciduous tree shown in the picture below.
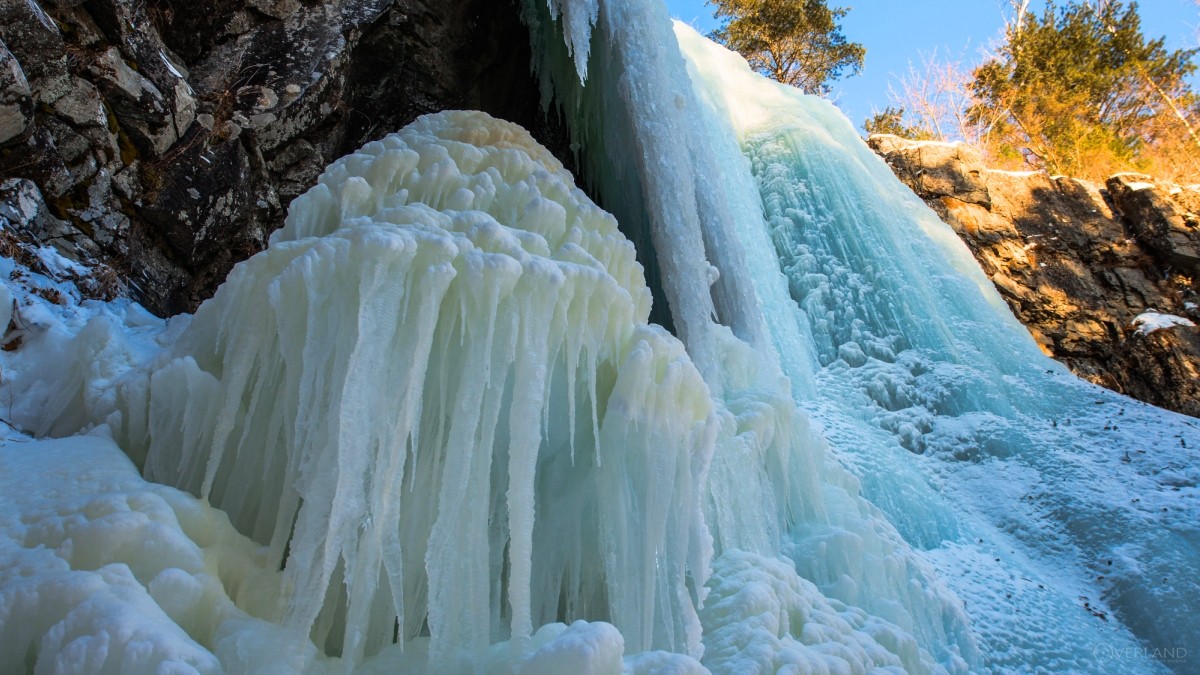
(938, 94)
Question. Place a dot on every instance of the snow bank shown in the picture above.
(1148, 322)
(102, 572)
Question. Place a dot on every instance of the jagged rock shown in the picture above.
(939, 169)
(23, 209)
(16, 101)
(37, 43)
(199, 200)
(1167, 360)
(1155, 220)
(107, 227)
(128, 27)
(1077, 262)
(137, 103)
(307, 54)
(298, 166)
(80, 106)
(279, 9)
(171, 136)
(195, 28)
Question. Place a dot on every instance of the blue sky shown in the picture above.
(897, 32)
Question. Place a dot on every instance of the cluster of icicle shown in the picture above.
(436, 398)
(436, 402)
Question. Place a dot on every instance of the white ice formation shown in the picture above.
(432, 427)
(446, 409)
(102, 572)
(1150, 321)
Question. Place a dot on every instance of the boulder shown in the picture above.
(34, 39)
(141, 109)
(1155, 219)
(1167, 359)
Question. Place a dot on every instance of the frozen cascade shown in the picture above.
(443, 427)
(981, 451)
(447, 431)
(636, 92)
(643, 129)
(912, 349)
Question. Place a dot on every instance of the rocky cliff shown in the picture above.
(1087, 268)
(162, 142)
(165, 140)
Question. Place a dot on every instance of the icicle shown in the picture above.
(578, 17)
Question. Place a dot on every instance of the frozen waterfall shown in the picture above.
(435, 427)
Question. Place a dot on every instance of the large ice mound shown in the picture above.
(436, 400)
(438, 429)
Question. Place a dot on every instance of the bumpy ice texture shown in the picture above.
(436, 400)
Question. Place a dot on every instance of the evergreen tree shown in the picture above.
(797, 42)
(1079, 90)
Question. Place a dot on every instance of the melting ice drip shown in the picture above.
(437, 402)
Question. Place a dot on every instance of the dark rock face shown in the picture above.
(1078, 262)
(169, 137)
(16, 101)
(1166, 227)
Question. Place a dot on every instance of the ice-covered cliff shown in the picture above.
(431, 427)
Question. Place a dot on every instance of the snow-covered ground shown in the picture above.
(1148, 322)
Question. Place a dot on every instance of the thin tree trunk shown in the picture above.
(1175, 109)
